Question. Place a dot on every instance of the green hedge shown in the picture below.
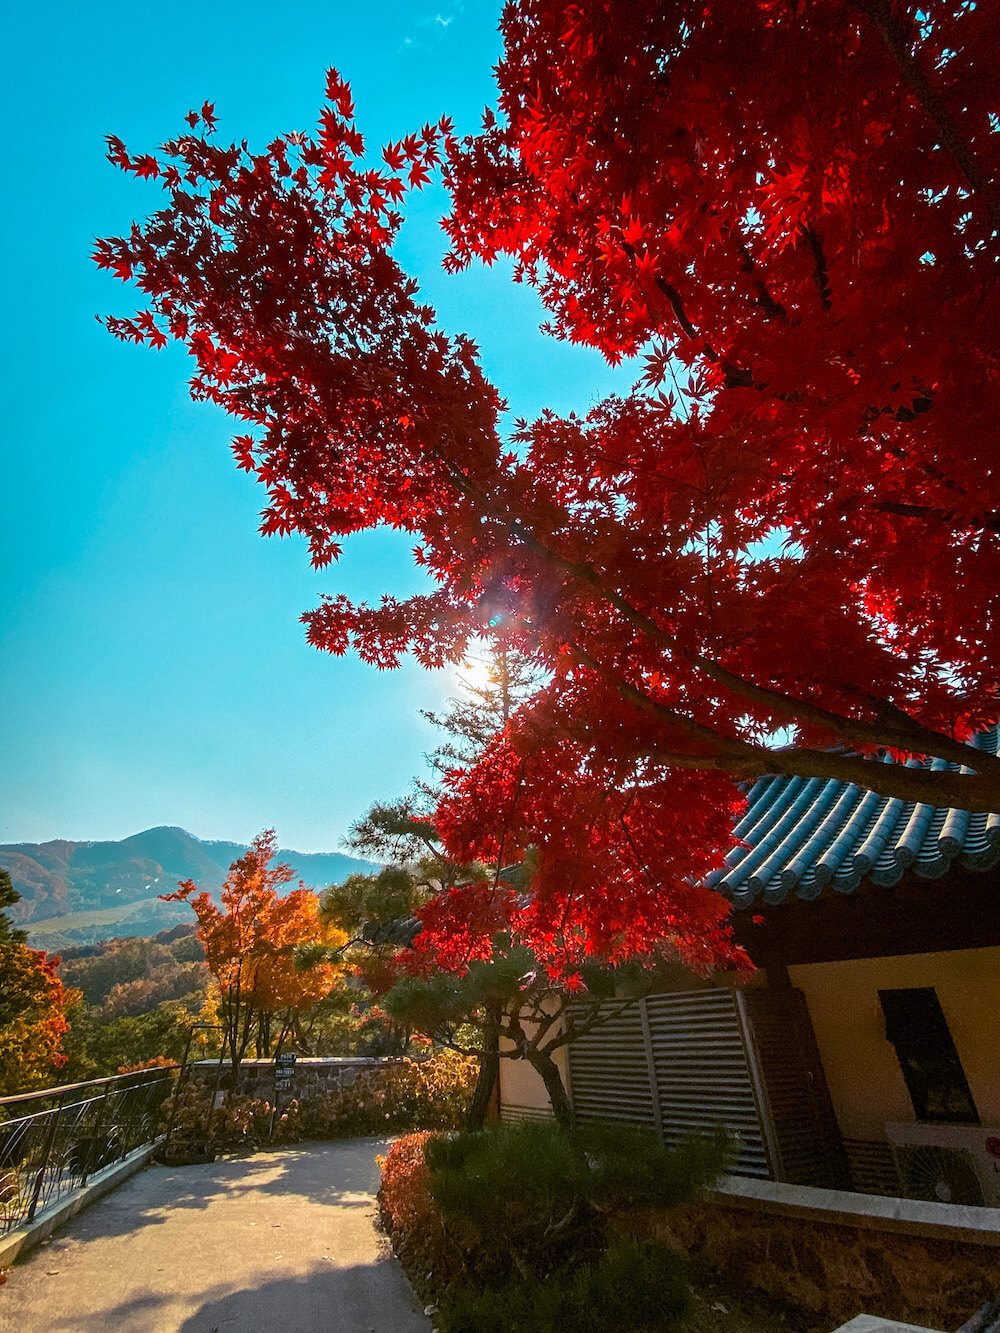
(513, 1227)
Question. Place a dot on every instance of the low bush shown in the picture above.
(515, 1226)
(412, 1094)
(241, 1124)
(537, 1198)
(513, 1198)
(631, 1286)
(410, 1215)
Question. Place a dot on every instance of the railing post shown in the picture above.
(215, 1092)
(49, 1140)
(95, 1138)
(175, 1105)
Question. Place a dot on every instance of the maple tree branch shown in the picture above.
(677, 305)
(894, 726)
(913, 735)
(898, 729)
(729, 745)
(921, 786)
(671, 293)
(821, 274)
(743, 759)
(768, 303)
(895, 38)
(976, 522)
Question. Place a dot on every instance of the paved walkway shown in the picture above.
(279, 1241)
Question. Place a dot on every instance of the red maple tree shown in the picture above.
(791, 522)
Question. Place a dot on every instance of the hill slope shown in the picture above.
(105, 889)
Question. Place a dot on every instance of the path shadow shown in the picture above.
(327, 1173)
(352, 1299)
(363, 1298)
(324, 1173)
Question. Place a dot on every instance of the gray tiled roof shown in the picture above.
(802, 835)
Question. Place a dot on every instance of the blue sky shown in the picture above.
(152, 666)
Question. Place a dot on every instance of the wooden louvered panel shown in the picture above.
(798, 1113)
(511, 1113)
(676, 1062)
(702, 1072)
(609, 1072)
(690, 1062)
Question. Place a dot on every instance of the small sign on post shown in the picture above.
(284, 1068)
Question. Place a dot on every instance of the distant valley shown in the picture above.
(78, 892)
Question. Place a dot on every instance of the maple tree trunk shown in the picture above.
(489, 1070)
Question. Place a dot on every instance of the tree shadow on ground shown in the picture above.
(364, 1297)
(321, 1172)
(354, 1299)
(331, 1173)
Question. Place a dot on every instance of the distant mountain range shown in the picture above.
(76, 892)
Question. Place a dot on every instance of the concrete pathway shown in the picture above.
(279, 1241)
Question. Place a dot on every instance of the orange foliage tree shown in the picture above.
(252, 943)
(33, 1003)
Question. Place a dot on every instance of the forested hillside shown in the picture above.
(137, 999)
(78, 892)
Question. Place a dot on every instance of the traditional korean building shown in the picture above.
(865, 1054)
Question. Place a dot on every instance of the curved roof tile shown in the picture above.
(800, 835)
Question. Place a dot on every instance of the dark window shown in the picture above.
(916, 1026)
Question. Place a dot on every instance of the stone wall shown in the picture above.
(833, 1254)
(311, 1076)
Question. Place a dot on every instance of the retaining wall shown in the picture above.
(311, 1076)
(831, 1253)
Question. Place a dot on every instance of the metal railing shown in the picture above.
(53, 1141)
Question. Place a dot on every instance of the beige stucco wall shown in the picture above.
(521, 1089)
(862, 1071)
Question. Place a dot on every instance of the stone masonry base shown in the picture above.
(831, 1254)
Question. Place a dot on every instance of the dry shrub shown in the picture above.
(410, 1215)
(411, 1094)
(239, 1125)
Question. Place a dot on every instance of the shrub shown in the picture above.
(631, 1286)
(410, 1216)
(468, 1210)
(631, 1167)
(408, 1095)
(536, 1198)
(412, 1094)
(240, 1124)
(512, 1196)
